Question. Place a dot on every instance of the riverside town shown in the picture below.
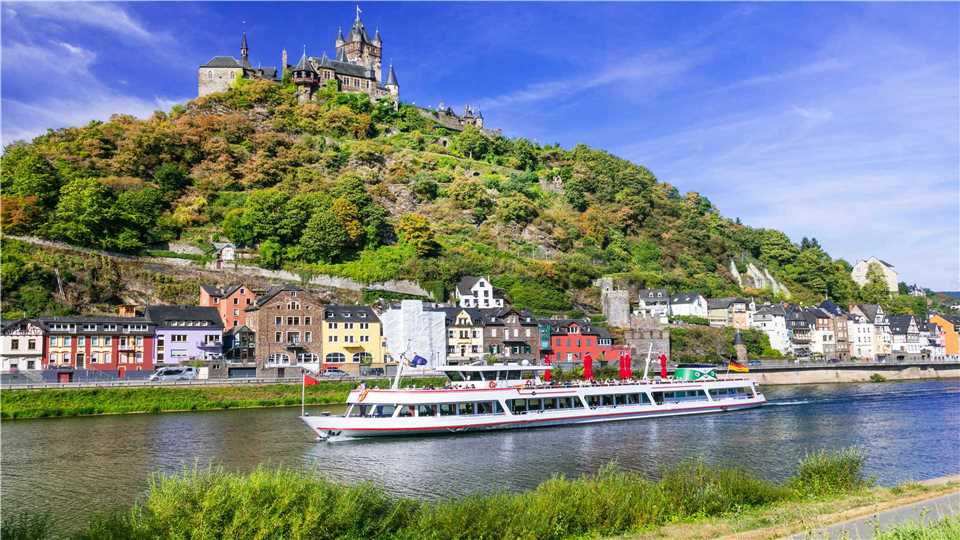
(272, 296)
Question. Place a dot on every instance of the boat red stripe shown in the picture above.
(607, 415)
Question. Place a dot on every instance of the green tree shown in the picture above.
(415, 230)
(24, 172)
(472, 143)
(776, 248)
(875, 289)
(237, 228)
(84, 213)
(324, 239)
(270, 253)
(171, 180)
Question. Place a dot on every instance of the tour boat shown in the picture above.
(510, 396)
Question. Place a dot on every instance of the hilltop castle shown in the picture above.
(356, 68)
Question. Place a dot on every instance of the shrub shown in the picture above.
(824, 473)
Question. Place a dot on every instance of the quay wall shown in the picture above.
(852, 375)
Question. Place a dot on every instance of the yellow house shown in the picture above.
(353, 339)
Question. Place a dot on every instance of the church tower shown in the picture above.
(244, 52)
(359, 49)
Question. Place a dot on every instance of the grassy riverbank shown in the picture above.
(297, 504)
(45, 403)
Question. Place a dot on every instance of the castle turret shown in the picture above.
(244, 52)
(377, 40)
(305, 77)
(340, 39)
(392, 85)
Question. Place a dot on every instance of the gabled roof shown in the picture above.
(165, 315)
(831, 308)
(900, 324)
(869, 310)
(466, 283)
(217, 292)
(270, 293)
(685, 298)
(238, 329)
(97, 319)
(475, 314)
(653, 294)
(772, 310)
(348, 313)
(496, 316)
(222, 62)
(723, 303)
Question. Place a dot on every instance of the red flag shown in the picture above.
(547, 358)
(625, 369)
(587, 366)
(663, 365)
(309, 381)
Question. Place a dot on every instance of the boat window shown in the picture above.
(464, 408)
(549, 403)
(484, 407)
(526, 375)
(593, 401)
(503, 375)
(472, 376)
(448, 409)
(358, 410)
(426, 410)
(577, 403)
(564, 403)
(607, 400)
(621, 399)
(455, 376)
(381, 411)
(534, 405)
(406, 410)
(518, 406)
(633, 399)
(497, 408)
(658, 398)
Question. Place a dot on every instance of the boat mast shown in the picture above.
(396, 379)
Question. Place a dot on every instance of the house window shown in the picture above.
(94, 341)
(364, 339)
(140, 340)
(66, 341)
(332, 339)
(277, 337)
(348, 339)
(278, 321)
(306, 321)
(15, 344)
(31, 344)
(308, 337)
(331, 325)
(81, 340)
(107, 340)
(236, 312)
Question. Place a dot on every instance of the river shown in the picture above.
(72, 466)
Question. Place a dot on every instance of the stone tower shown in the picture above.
(358, 48)
(244, 51)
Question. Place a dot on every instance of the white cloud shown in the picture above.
(32, 55)
(105, 16)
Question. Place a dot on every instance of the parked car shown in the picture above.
(754, 363)
(184, 373)
(334, 373)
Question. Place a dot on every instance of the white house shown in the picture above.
(21, 346)
(771, 320)
(410, 329)
(690, 304)
(225, 252)
(932, 342)
(905, 335)
(881, 327)
(860, 335)
(478, 292)
(859, 272)
(653, 304)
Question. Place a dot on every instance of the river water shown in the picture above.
(72, 466)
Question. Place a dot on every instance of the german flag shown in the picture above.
(735, 366)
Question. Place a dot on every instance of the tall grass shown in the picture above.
(283, 503)
(945, 529)
(824, 473)
(91, 401)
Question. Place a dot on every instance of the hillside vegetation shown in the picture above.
(348, 187)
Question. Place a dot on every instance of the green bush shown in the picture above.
(824, 473)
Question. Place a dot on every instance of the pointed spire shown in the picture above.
(340, 38)
(391, 77)
(358, 12)
(243, 42)
(244, 51)
(376, 36)
(302, 64)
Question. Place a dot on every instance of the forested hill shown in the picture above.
(344, 186)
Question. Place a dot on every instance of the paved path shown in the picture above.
(863, 528)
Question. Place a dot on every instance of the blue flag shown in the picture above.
(418, 361)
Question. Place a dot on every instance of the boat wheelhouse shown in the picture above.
(510, 396)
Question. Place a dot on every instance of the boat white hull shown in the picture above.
(337, 426)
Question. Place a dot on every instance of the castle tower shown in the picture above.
(305, 77)
(358, 48)
(244, 51)
(392, 85)
(283, 64)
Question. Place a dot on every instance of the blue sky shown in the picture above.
(838, 121)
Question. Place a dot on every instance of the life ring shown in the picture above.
(363, 395)
(493, 384)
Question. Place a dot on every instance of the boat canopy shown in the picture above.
(493, 372)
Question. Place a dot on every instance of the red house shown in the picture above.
(570, 339)
(100, 343)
